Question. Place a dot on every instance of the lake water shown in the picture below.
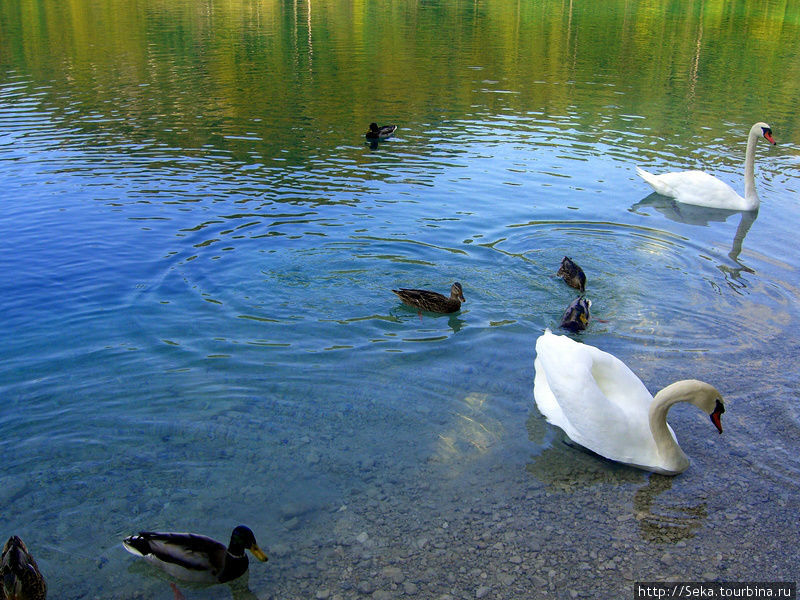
(197, 248)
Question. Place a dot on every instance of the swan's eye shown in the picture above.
(720, 407)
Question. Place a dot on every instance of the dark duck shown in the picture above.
(576, 317)
(20, 578)
(381, 132)
(572, 274)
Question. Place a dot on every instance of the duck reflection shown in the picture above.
(662, 522)
(455, 323)
(701, 215)
(454, 320)
(240, 589)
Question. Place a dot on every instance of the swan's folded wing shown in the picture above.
(593, 396)
(693, 187)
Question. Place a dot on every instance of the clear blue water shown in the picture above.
(198, 329)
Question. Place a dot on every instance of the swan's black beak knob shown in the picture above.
(716, 416)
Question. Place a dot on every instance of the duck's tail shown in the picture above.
(136, 544)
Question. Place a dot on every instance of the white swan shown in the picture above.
(603, 406)
(702, 189)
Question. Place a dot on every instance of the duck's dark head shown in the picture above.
(373, 127)
(567, 266)
(456, 293)
(242, 539)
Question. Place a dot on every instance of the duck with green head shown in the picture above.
(198, 558)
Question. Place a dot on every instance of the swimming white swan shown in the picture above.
(702, 189)
(603, 406)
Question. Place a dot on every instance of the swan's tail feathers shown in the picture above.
(653, 181)
(648, 177)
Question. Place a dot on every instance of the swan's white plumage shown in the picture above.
(696, 187)
(701, 189)
(596, 399)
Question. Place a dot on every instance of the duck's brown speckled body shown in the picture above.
(572, 274)
(433, 301)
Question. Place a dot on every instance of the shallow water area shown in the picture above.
(198, 247)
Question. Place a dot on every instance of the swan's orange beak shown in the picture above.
(716, 416)
(769, 138)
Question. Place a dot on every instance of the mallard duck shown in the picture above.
(193, 557)
(576, 317)
(380, 133)
(572, 274)
(20, 578)
(701, 189)
(603, 406)
(433, 301)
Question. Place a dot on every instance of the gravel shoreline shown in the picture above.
(589, 531)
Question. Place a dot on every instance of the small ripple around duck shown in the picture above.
(652, 287)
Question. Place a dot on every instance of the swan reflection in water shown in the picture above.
(563, 466)
(661, 522)
(702, 216)
(564, 469)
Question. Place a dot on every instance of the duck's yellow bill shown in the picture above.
(258, 553)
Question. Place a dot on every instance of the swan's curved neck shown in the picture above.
(749, 169)
(668, 448)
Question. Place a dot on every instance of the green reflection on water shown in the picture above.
(234, 76)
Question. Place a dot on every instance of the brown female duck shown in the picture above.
(572, 274)
(433, 301)
(576, 317)
(20, 578)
